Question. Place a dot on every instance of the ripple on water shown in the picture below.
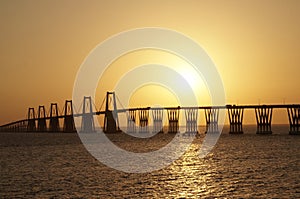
(57, 165)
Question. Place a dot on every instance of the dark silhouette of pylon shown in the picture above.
(87, 124)
(131, 118)
(264, 119)
(191, 116)
(212, 118)
(144, 120)
(173, 116)
(235, 116)
(157, 115)
(294, 120)
(42, 127)
(54, 121)
(69, 125)
(111, 121)
(31, 126)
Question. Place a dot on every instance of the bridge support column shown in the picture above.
(15, 128)
(173, 116)
(54, 121)
(212, 117)
(157, 115)
(144, 120)
(69, 125)
(20, 126)
(42, 127)
(131, 119)
(294, 120)
(31, 125)
(111, 121)
(235, 116)
(264, 119)
(87, 123)
(191, 116)
(24, 126)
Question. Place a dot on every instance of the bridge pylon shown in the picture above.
(42, 126)
(131, 120)
(191, 116)
(264, 119)
(111, 120)
(212, 118)
(157, 116)
(87, 123)
(31, 125)
(235, 115)
(294, 120)
(144, 120)
(173, 116)
(54, 121)
(69, 125)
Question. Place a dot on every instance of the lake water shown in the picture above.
(56, 165)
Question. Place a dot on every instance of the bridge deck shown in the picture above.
(277, 106)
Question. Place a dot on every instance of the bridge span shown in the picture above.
(139, 119)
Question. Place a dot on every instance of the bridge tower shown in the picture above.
(131, 119)
(54, 121)
(144, 120)
(173, 116)
(235, 115)
(69, 125)
(294, 119)
(212, 117)
(157, 115)
(87, 124)
(31, 125)
(264, 119)
(191, 116)
(42, 127)
(111, 121)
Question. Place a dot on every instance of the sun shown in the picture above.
(192, 77)
(134, 59)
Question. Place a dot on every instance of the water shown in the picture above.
(45, 165)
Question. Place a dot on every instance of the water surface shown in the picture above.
(49, 165)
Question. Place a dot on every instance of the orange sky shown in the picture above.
(254, 44)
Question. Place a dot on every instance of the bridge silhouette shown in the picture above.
(64, 122)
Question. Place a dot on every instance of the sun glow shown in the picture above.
(135, 59)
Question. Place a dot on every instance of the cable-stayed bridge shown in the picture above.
(139, 119)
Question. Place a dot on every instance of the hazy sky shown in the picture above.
(254, 44)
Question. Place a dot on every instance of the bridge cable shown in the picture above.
(102, 103)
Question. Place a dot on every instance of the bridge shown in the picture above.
(64, 122)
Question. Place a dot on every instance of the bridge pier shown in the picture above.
(144, 120)
(14, 128)
(31, 126)
(54, 121)
(42, 126)
(131, 119)
(21, 126)
(235, 116)
(173, 116)
(212, 117)
(87, 123)
(24, 126)
(264, 119)
(191, 116)
(157, 115)
(69, 125)
(294, 120)
(111, 120)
